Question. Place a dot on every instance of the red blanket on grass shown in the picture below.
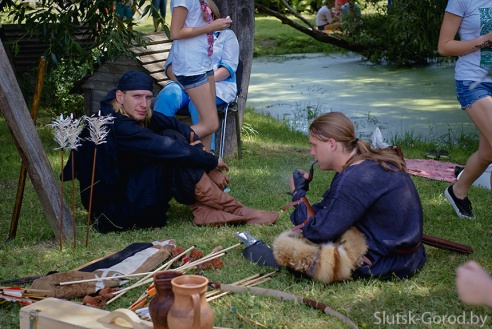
(432, 169)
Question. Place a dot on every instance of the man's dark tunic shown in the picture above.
(138, 170)
(384, 205)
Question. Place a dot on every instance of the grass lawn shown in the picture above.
(260, 180)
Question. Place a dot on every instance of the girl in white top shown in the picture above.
(471, 19)
(191, 30)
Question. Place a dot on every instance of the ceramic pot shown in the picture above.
(163, 299)
(190, 309)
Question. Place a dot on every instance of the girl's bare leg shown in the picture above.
(204, 98)
(481, 114)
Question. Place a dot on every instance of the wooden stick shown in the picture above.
(190, 265)
(90, 198)
(149, 280)
(227, 249)
(215, 296)
(23, 171)
(61, 201)
(39, 292)
(119, 293)
(183, 269)
(103, 279)
(237, 283)
(145, 280)
(208, 257)
(187, 266)
(248, 282)
(74, 215)
(169, 263)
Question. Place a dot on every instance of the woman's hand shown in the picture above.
(220, 24)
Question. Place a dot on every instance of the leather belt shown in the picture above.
(408, 250)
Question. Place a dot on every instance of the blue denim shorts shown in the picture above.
(467, 97)
(123, 11)
(193, 81)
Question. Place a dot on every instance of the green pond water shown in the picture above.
(419, 101)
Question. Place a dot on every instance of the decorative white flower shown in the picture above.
(74, 129)
(66, 132)
(60, 132)
(98, 128)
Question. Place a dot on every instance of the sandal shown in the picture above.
(432, 154)
(444, 155)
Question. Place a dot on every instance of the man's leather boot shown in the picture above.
(204, 215)
(209, 194)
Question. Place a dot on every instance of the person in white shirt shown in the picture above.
(225, 58)
(192, 27)
(470, 19)
(324, 16)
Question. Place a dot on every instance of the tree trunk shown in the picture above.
(243, 24)
(26, 138)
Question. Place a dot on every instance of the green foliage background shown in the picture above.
(403, 33)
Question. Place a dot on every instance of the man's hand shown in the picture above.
(474, 284)
(299, 181)
(221, 165)
(219, 178)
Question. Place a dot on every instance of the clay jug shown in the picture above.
(163, 299)
(190, 309)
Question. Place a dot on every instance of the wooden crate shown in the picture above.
(53, 313)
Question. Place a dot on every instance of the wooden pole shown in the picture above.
(22, 176)
(14, 109)
(90, 198)
(74, 214)
(61, 201)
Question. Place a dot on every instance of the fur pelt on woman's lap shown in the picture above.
(327, 262)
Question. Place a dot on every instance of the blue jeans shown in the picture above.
(160, 6)
(467, 97)
(173, 98)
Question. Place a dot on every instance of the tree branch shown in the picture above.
(315, 34)
(296, 14)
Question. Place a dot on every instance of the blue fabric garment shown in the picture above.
(139, 170)
(160, 6)
(136, 80)
(384, 205)
(173, 99)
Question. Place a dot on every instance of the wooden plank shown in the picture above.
(31, 47)
(158, 37)
(155, 68)
(152, 49)
(154, 58)
(28, 143)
